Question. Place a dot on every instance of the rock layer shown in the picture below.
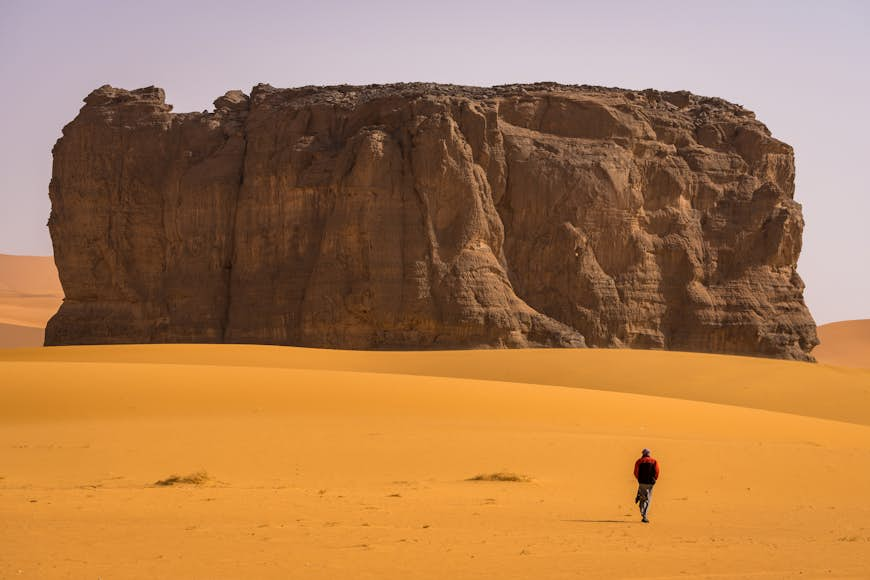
(429, 216)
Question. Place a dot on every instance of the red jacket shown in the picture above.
(646, 470)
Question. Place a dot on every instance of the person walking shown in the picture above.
(646, 471)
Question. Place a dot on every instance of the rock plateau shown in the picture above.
(429, 216)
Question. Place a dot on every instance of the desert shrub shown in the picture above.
(197, 478)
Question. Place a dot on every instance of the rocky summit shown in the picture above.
(417, 216)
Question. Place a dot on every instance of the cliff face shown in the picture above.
(428, 216)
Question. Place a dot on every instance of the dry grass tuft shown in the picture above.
(501, 476)
(198, 478)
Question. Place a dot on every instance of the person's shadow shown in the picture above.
(601, 521)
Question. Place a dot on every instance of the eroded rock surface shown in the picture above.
(429, 216)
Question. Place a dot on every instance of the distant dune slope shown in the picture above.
(30, 293)
(785, 386)
(845, 343)
(16, 336)
(29, 274)
(322, 474)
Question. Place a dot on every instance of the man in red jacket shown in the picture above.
(646, 471)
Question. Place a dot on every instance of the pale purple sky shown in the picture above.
(803, 67)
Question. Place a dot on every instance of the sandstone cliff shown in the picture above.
(428, 216)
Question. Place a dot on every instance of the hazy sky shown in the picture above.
(803, 67)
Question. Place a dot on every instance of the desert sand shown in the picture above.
(845, 343)
(341, 464)
(329, 464)
(16, 335)
(30, 293)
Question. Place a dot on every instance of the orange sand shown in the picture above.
(16, 336)
(30, 294)
(337, 464)
(342, 464)
(29, 274)
(845, 343)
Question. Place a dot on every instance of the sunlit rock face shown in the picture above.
(429, 216)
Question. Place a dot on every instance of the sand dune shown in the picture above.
(16, 336)
(30, 293)
(29, 274)
(785, 386)
(844, 343)
(342, 464)
(352, 473)
(32, 310)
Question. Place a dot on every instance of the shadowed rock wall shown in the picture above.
(428, 216)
